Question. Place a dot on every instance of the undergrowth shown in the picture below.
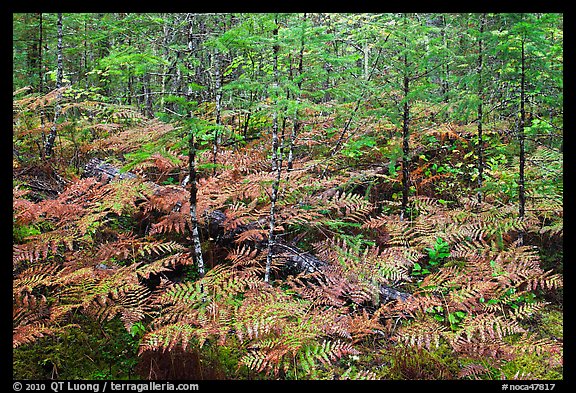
(105, 284)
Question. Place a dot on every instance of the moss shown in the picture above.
(90, 351)
(407, 363)
(532, 366)
(436, 363)
(552, 324)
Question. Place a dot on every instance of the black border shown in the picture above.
(333, 6)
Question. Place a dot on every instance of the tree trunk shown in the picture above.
(164, 78)
(193, 195)
(40, 66)
(146, 91)
(52, 135)
(405, 147)
(366, 52)
(41, 81)
(276, 163)
(405, 130)
(446, 78)
(218, 99)
(480, 109)
(521, 137)
(295, 121)
(85, 54)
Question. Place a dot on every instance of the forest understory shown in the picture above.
(288, 196)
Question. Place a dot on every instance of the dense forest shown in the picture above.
(250, 196)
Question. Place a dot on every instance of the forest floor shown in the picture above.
(106, 283)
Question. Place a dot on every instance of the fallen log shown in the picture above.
(102, 170)
(296, 261)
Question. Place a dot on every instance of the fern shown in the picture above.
(473, 371)
(424, 333)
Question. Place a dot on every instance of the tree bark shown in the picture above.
(276, 162)
(480, 109)
(521, 138)
(405, 147)
(41, 81)
(40, 67)
(59, 76)
(218, 99)
(193, 197)
(295, 121)
(405, 129)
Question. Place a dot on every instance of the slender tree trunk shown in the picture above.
(336, 147)
(295, 121)
(129, 92)
(246, 122)
(148, 109)
(405, 146)
(40, 66)
(52, 135)
(193, 198)
(41, 80)
(366, 51)
(218, 93)
(521, 137)
(284, 110)
(480, 109)
(405, 131)
(445, 87)
(85, 54)
(164, 79)
(276, 163)
(31, 50)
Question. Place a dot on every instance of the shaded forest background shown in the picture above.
(287, 196)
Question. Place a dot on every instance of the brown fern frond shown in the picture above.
(130, 301)
(352, 206)
(473, 371)
(237, 215)
(527, 310)
(172, 222)
(34, 102)
(166, 264)
(416, 305)
(471, 294)
(37, 275)
(244, 256)
(546, 280)
(24, 210)
(485, 327)
(167, 337)
(489, 348)
(423, 333)
(129, 247)
(445, 278)
(33, 318)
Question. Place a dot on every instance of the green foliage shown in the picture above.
(89, 351)
(440, 251)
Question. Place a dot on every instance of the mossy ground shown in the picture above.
(89, 351)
